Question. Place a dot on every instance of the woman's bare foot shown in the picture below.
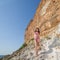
(36, 55)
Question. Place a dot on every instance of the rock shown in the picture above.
(50, 49)
(47, 18)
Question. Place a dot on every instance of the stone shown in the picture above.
(46, 17)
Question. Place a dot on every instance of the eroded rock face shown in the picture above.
(50, 48)
(47, 16)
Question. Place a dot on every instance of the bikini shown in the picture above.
(36, 36)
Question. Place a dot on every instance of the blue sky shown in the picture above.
(15, 15)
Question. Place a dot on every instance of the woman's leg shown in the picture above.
(39, 44)
(36, 48)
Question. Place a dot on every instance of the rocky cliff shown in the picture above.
(47, 18)
(50, 48)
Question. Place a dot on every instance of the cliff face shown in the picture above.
(50, 48)
(47, 16)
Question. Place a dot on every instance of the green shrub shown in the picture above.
(32, 39)
(24, 45)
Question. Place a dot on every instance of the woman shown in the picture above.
(37, 40)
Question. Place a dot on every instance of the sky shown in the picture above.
(15, 15)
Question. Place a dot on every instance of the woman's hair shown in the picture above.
(38, 30)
